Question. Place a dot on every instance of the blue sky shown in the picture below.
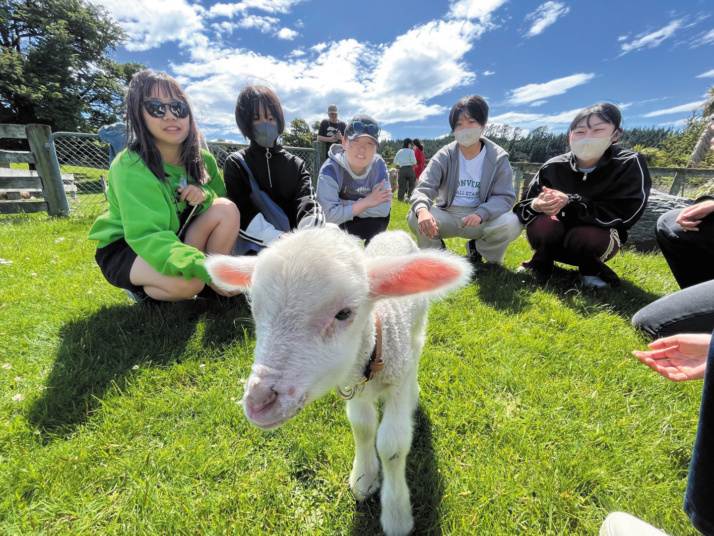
(407, 63)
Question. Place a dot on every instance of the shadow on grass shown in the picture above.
(511, 292)
(425, 486)
(98, 353)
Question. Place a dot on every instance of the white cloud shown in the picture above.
(269, 6)
(537, 103)
(150, 24)
(708, 74)
(653, 39)
(474, 9)
(707, 38)
(489, 73)
(262, 24)
(675, 110)
(287, 34)
(535, 92)
(555, 122)
(544, 16)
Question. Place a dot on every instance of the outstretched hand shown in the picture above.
(678, 358)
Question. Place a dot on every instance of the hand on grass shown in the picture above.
(677, 358)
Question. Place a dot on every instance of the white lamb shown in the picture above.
(314, 296)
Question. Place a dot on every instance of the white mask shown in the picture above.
(468, 136)
(590, 148)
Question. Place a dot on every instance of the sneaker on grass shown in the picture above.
(474, 256)
(592, 281)
(622, 524)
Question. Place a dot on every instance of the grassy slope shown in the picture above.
(534, 418)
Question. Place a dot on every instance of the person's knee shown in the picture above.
(184, 289)
(545, 231)
(226, 211)
(667, 225)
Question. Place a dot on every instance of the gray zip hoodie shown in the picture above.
(440, 180)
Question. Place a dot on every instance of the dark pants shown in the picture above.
(585, 247)
(407, 181)
(366, 228)
(699, 498)
(690, 310)
(690, 254)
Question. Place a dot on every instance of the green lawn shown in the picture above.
(534, 418)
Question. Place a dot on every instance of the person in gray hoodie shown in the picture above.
(353, 185)
(467, 190)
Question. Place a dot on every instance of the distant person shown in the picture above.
(419, 154)
(580, 205)
(472, 183)
(331, 129)
(353, 186)
(281, 175)
(405, 162)
(165, 211)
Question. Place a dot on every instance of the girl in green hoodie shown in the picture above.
(166, 209)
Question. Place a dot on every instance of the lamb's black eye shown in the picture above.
(344, 314)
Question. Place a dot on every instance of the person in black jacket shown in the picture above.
(281, 175)
(580, 205)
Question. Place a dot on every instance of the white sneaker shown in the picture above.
(592, 281)
(622, 524)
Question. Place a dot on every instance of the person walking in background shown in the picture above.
(419, 155)
(580, 204)
(281, 175)
(353, 186)
(165, 211)
(331, 129)
(405, 161)
(472, 183)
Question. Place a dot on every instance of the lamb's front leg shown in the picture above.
(364, 478)
(394, 440)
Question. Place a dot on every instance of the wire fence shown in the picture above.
(83, 160)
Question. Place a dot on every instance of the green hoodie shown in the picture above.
(145, 212)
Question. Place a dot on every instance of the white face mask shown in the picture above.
(590, 148)
(466, 137)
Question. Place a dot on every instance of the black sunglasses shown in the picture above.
(365, 128)
(156, 108)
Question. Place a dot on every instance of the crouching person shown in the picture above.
(472, 182)
(353, 186)
(164, 211)
(580, 205)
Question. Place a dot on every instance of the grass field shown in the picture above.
(533, 419)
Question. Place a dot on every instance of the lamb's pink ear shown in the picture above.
(432, 272)
(231, 273)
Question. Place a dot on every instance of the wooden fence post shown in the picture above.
(53, 189)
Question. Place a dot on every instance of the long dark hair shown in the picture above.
(141, 86)
(249, 103)
(417, 142)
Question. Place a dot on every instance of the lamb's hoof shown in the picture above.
(363, 486)
(396, 523)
